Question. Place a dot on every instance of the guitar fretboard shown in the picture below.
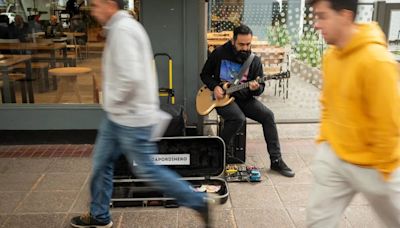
(234, 88)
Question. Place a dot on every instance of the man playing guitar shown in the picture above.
(222, 66)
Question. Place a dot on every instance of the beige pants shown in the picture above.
(335, 184)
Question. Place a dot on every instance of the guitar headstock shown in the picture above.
(282, 75)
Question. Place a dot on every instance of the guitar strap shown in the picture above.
(243, 69)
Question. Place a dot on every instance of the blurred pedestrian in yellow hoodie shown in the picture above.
(360, 126)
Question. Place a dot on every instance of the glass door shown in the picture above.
(392, 28)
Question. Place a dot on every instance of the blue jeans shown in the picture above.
(112, 141)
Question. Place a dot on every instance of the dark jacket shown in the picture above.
(53, 30)
(220, 65)
(7, 30)
(22, 32)
(72, 7)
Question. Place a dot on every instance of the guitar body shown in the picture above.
(205, 101)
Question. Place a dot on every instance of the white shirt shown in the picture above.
(130, 87)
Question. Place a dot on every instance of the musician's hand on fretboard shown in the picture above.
(253, 85)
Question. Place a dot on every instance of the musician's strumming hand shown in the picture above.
(219, 92)
(253, 85)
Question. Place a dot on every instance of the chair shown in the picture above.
(73, 44)
(276, 60)
(215, 39)
(94, 42)
(67, 76)
(82, 43)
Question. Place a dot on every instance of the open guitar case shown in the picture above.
(203, 165)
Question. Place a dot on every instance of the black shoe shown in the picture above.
(88, 221)
(205, 213)
(280, 166)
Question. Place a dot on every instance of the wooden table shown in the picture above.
(40, 47)
(59, 39)
(75, 34)
(6, 64)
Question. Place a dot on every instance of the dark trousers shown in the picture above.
(235, 114)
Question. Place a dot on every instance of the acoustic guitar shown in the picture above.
(206, 102)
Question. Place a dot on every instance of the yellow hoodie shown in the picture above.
(360, 101)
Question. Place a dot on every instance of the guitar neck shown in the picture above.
(235, 88)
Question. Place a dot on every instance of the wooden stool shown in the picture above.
(68, 75)
(15, 78)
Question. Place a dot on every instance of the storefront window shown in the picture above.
(394, 32)
(50, 52)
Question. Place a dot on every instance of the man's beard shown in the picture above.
(241, 56)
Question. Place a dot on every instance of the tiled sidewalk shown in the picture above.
(45, 151)
(44, 186)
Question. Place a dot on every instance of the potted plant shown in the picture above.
(307, 57)
(278, 35)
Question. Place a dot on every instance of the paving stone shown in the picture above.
(298, 215)
(297, 131)
(18, 181)
(294, 195)
(62, 181)
(167, 218)
(29, 165)
(71, 165)
(82, 203)
(54, 220)
(4, 164)
(307, 152)
(10, 200)
(48, 202)
(250, 195)
(262, 217)
(287, 147)
(3, 218)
